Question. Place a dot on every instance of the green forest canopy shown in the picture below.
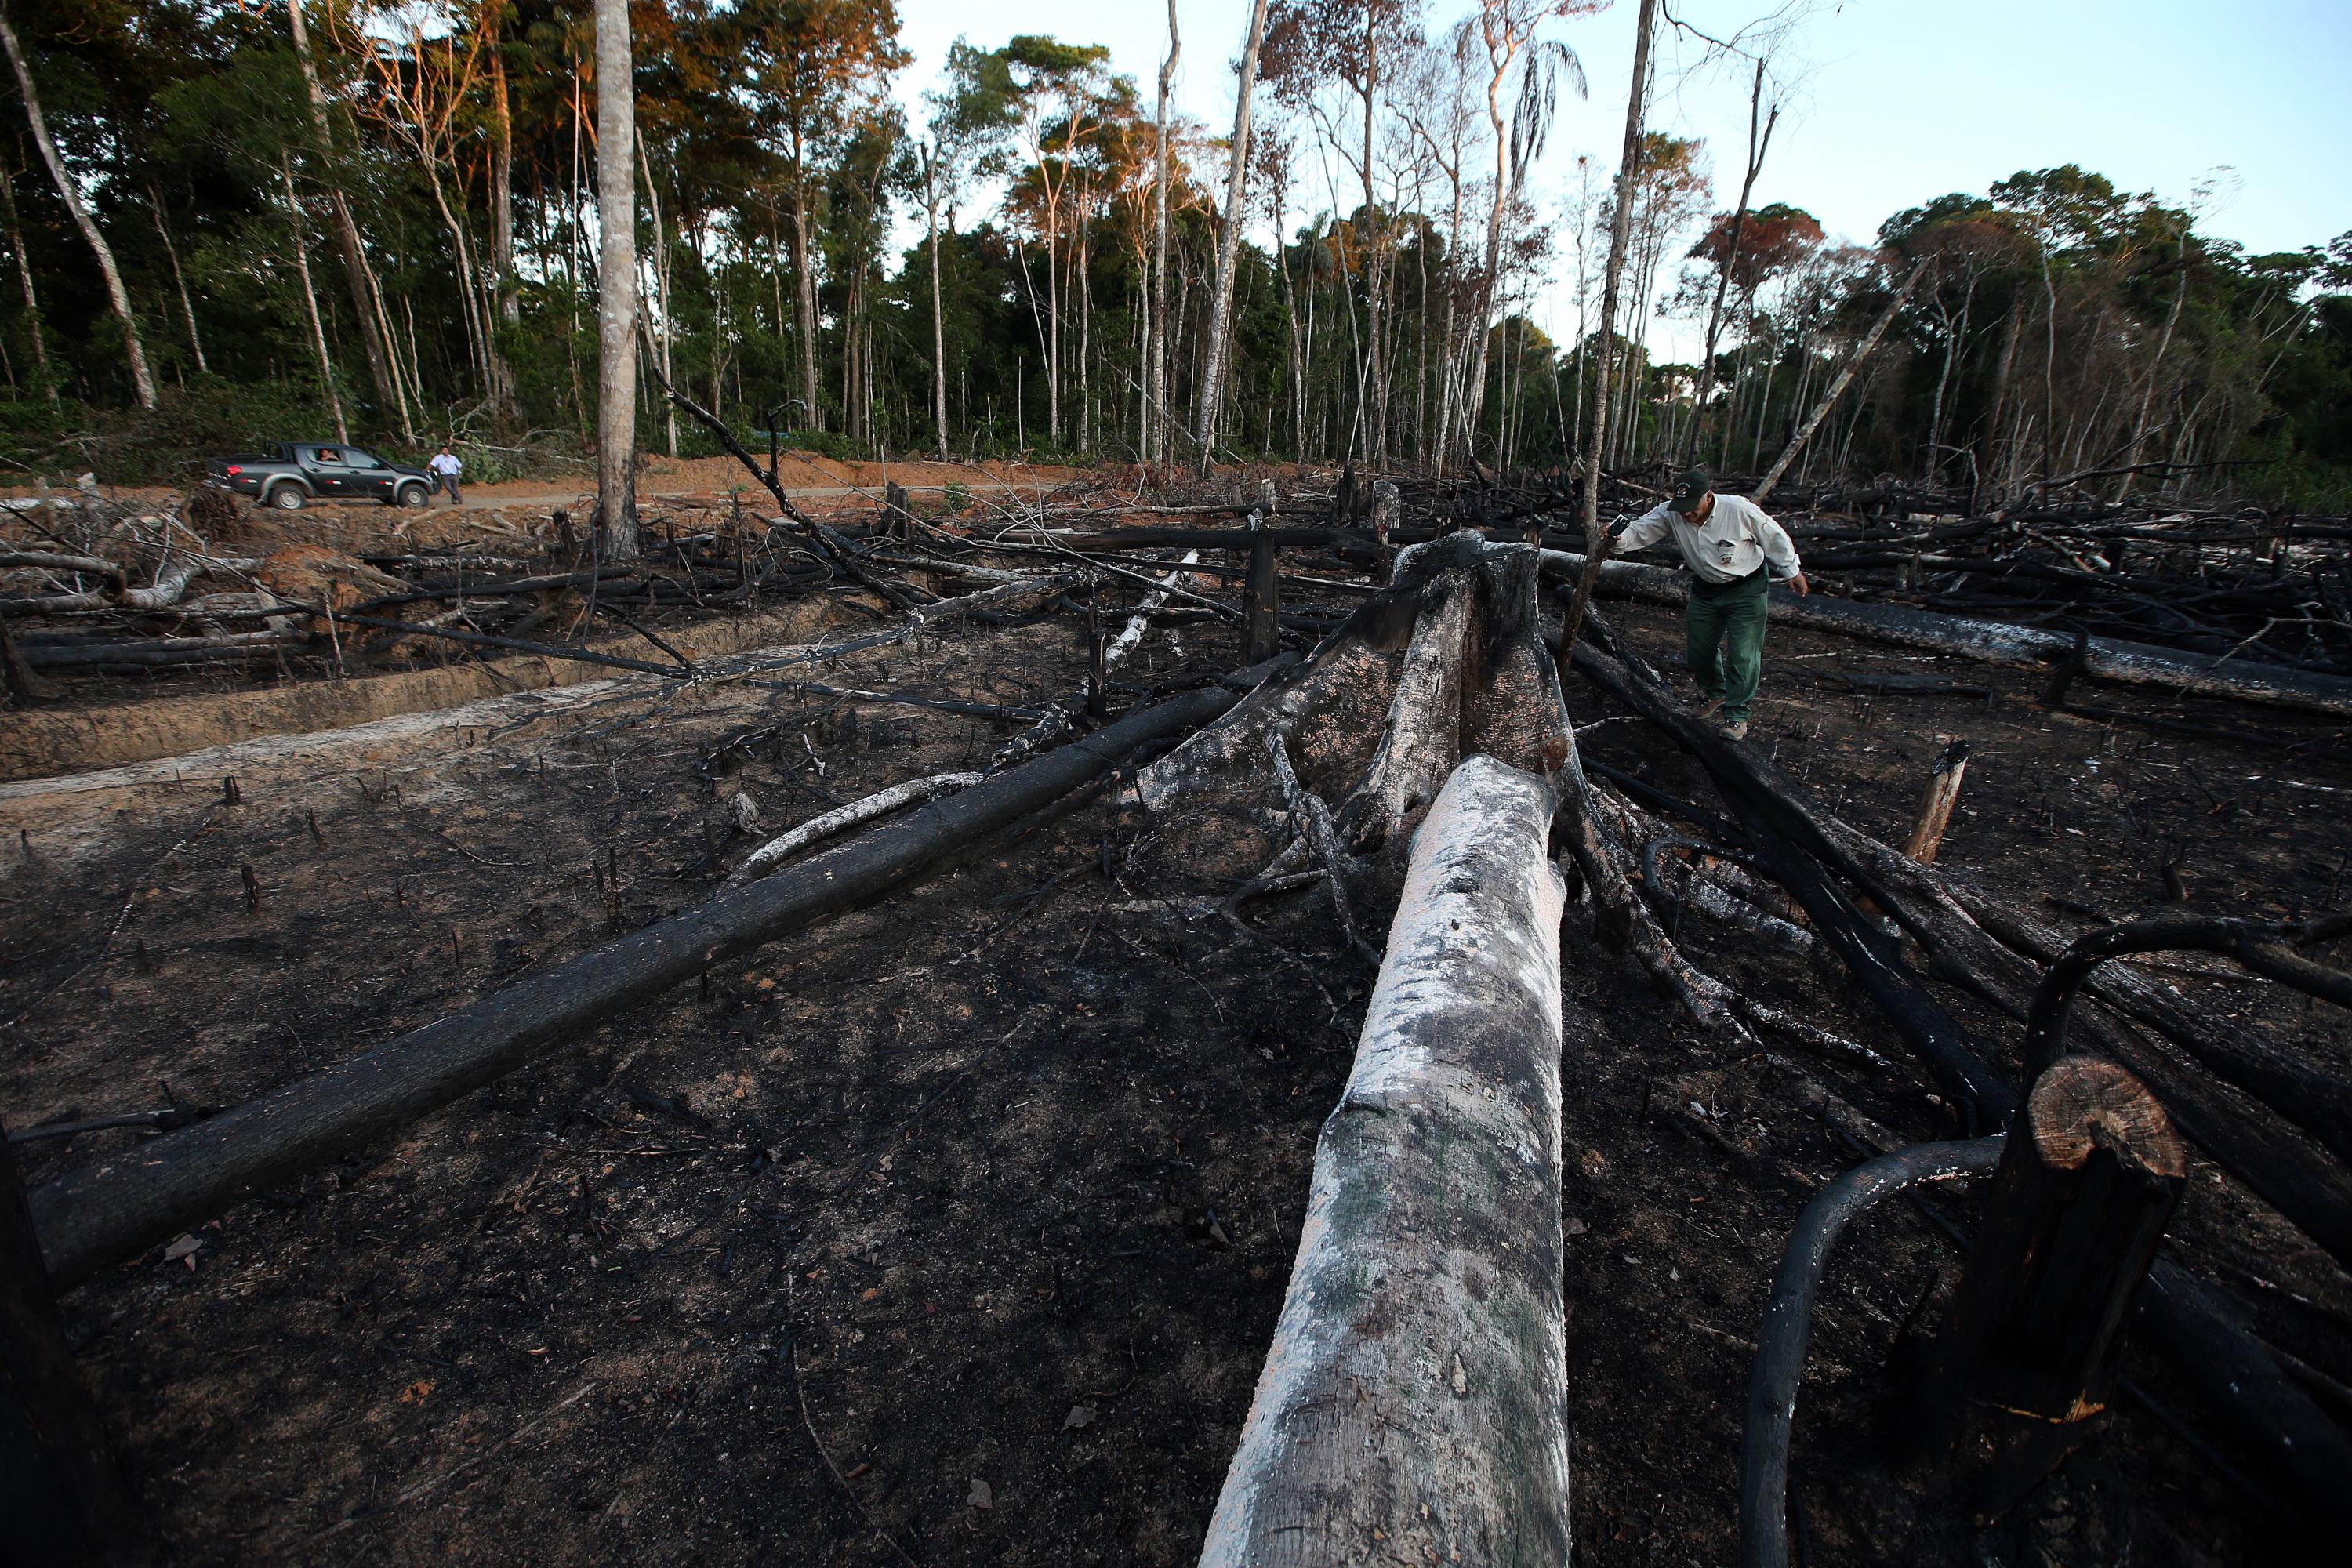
(414, 256)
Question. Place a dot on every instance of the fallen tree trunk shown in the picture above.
(2263, 1408)
(2006, 646)
(157, 651)
(1801, 844)
(111, 1211)
(1416, 1390)
(2318, 1103)
(841, 819)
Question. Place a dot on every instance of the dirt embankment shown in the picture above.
(659, 477)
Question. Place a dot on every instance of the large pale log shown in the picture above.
(2001, 644)
(1413, 1404)
(112, 1210)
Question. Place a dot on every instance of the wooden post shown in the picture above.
(1936, 805)
(1261, 597)
(1343, 502)
(2087, 1182)
(60, 1492)
(1098, 667)
(1415, 1393)
(897, 520)
(1386, 505)
(1267, 501)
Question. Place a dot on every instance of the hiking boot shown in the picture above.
(1736, 730)
(1710, 708)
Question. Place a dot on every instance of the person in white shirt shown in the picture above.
(1732, 550)
(445, 468)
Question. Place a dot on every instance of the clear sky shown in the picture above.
(1900, 101)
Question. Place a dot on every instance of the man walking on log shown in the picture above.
(1733, 548)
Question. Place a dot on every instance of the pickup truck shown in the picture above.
(291, 476)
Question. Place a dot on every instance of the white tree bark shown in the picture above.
(1156, 421)
(1221, 308)
(142, 384)
(1412, 1407)
(310, 300)
(817, 829)
(1621, 225)
(938, 320)
(616, 287)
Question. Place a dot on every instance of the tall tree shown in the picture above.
(1758, 144)
(366, 306)
(969, 120)
(1059, 86)
(1620, 229)
(616, 287)
(815, 65)
(1229, 244)
(142, 383)
(1156, 422)
(1506, 30)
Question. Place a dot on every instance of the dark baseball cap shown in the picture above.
(1689, 486)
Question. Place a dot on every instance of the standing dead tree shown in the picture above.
(616, 291)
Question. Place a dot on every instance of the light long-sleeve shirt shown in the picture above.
(1738, 537)
(445, 463)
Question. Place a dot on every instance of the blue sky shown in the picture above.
(1900, 101)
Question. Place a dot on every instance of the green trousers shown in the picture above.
(1725, 645)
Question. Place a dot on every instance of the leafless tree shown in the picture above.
(1221, 306)
(616, 287)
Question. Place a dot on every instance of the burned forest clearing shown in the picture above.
(948, 1215)
(1509, 783)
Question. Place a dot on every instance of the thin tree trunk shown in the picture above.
(616, 291)
(1376, 447)
(1830, 396)
(938, 320)
(311, 298)
(1757, 147)
(179, 279)
(503, 230)
(805, 304)
(661, 286)
(1230, 243)
(142, 384)
(1620, 229)
(374, 340)
(24, 278)
(2147, 397)
(1157, 424)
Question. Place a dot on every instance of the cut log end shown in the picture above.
(2084, 1104)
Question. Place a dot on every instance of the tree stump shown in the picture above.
(1936, 805)
(1386, 507)
(2087, 1182)
(1261, 597)
(897, 520)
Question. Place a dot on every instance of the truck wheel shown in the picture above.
(287, 496)
(414, 495)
